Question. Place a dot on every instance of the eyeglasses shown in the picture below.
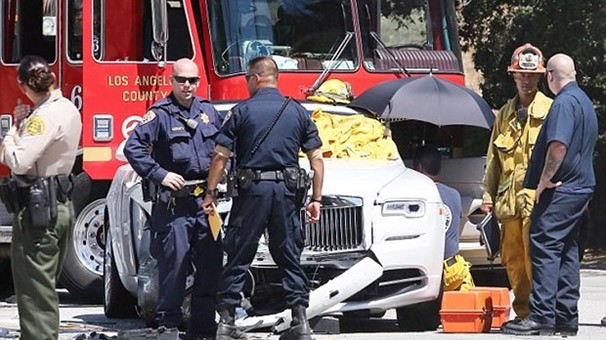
(182, 80)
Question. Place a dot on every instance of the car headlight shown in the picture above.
(411, 209)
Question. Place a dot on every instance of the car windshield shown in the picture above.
(298, 34)
(454, 141)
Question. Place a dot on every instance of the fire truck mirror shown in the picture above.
(49, 18)
(159, 21)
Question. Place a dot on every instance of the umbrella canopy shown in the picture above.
(429, 99)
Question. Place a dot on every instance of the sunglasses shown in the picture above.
(182, 80)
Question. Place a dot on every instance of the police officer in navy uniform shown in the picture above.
(268, 202)
(172, 147)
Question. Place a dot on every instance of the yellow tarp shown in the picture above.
(354, 136)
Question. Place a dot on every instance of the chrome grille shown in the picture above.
(340, 226)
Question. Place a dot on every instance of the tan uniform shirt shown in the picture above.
(46, 143)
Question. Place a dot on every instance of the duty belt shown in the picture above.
(275, 175)
(195, 187)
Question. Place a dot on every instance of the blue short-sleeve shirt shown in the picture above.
(293, 131)
(454, 211)
(571, 121)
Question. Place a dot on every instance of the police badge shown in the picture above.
(204, 118)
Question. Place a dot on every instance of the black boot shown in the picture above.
(299, 327)
(227, 330)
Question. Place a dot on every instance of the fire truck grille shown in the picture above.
(339, 228)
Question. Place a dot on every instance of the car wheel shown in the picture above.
(82, 271)
(117, 301)
(420, 317)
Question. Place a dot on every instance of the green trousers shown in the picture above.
(37, 257)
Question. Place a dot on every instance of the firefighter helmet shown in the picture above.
(333, 91)
(527, 59)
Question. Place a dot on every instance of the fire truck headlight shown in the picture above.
(409, 209)
(103, 128)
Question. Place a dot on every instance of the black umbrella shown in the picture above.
(429, 99)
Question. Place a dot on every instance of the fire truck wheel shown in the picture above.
(117, 301)
(420, 317)
(82, 271)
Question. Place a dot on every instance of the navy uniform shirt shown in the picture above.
(571, 121)
(175, 147)
(454, 211)
(294, 130)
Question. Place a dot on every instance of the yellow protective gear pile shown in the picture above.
(457, 276)
(333, 91)
(353, 136)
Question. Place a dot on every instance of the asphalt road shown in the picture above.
(77, 319)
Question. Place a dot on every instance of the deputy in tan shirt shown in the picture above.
(45, 143)
(42, 144)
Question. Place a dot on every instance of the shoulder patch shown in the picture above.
(447, 217)
(35, 126)
(227, 117)
(148, 117)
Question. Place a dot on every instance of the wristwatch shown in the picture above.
(212, 192)
(315, 200)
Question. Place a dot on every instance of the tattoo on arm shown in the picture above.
(551, 166)
(553, 160)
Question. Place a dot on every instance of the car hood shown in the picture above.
(374, 179)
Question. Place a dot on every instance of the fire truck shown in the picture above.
(113, 58)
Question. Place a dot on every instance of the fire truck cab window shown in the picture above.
(28, 27)
(297, 34)
(409, 32)
(123, 31)
(74, 30)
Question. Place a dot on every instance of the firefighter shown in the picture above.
(269, 195)
(40, 149)
(180, 131)
(514, 133)
(457, 276)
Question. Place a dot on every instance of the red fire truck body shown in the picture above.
(113, 60)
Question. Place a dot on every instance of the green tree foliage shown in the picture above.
(494, 28)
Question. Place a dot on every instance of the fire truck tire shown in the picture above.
(82, 271)
(420, 317)
(117, 301)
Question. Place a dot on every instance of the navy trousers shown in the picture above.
(554, 231)
(265, 205)
(182, 241)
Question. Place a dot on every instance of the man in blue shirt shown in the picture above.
(561, 170)
(428, 161)
(180, 131)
